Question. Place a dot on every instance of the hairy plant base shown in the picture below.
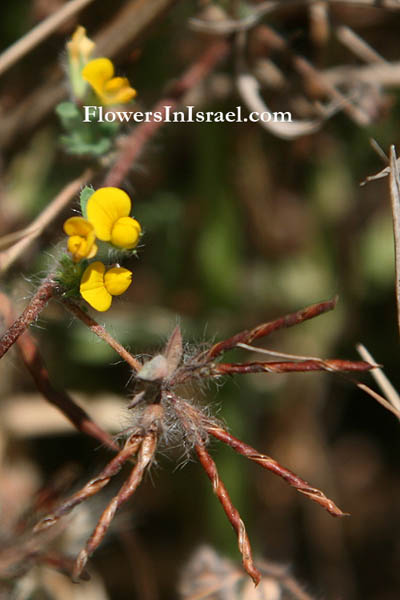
(160, 415)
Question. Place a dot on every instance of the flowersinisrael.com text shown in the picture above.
(189, 115)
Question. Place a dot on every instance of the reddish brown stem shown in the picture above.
(62, 563)
(94, 485)
(30, 314)
(272, 465)
(141, 134)
(332, 365)
(145, 456)
(102, 333)
(248, 336)
(34, 363)
(231, 512)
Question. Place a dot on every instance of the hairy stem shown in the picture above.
(30, 314)
(102, 333)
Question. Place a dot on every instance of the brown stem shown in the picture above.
(231, 512)
(102, 333)
(272, 465)
(145, 456)
(141, 134)
(248, 336)
(332, 365)
(30, 314)
(34, 363)
(94, 485)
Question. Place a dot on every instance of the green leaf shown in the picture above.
(84, 197)
(69, 115)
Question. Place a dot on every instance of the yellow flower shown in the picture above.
(79, 48)
(99, 73)
(98, 286)
(81, 241)
(108, 211)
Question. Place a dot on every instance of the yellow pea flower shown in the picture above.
(99, 73)
(98, 286)
(108, 211)
(81, 241)
(79, 49)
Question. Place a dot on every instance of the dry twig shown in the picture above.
(135, 142)
(34, 363)
(394, 182)
(39, 33)
(61, 201)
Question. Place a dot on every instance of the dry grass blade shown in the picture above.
(385, 385)
(394, 182)
(378, 398)
(358, 45)
(39, 33)
(9, 256)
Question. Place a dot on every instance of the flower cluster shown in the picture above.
(106, 218)
(91, 81)
(98, 72)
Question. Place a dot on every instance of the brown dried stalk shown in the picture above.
(143, 442)
(272, 465)
(75, 309)
(94, 485)
(63, 198)
(248, 336)
(146, 453)
(32, 311)
(34, 363)
(331, 365)
(134, 144)
(39, 33)
(231, 512)
(160, 411)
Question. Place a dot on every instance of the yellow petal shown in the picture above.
(93, 251)
(118, 91)
(117, 280)
(97, 72)
(126, 233)
(77, 226)
(77, 245)
(104, 208)
(80, 46)
(92, 287)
